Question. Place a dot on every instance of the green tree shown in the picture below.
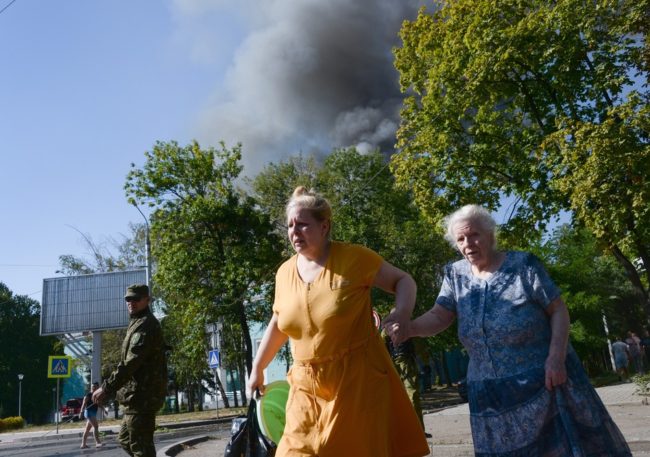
(20, 330)
(593, 284)
(215, 251)
(125, 253)
(545, 102)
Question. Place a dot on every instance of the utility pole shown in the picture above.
(20, 393)
(147, 245)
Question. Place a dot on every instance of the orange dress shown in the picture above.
(346, 399)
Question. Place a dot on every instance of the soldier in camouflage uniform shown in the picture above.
(140, 380)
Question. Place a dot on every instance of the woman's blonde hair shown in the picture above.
(469, 213)
(312, 201)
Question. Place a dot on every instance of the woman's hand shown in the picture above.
(555, 362)
(400, 328)
(397, 326)
(555, 371)
(255, 383)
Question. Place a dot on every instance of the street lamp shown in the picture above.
(147, 244)
(54, 403)
(20, 392)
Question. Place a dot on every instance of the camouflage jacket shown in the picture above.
(140, 380)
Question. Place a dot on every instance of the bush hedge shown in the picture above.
(11, 423)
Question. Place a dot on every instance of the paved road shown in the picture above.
(449, 427)
(67, 442)
(451, 431)
(69, 447)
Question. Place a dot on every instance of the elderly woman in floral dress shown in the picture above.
(528, 393)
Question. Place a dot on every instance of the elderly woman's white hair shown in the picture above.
(469, 213)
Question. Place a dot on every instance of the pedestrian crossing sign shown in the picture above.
(59, 366)
(214, 359)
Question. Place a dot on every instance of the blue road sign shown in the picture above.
(214, 358)
(59, 366)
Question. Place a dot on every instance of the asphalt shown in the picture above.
(450, 429)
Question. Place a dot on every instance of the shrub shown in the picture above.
(11, 423)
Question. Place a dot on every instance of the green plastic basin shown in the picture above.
(271, 410)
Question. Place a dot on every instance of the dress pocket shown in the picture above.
(339, 282)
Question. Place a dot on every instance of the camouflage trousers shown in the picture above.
(136, 434)
(408, 372)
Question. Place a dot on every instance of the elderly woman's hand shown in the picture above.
(555, 371)
(397, 326)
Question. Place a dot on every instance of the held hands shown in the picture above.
(397, 327)
(555, 371)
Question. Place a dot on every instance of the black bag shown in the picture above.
(249, 440)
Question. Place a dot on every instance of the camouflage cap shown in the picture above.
(137, 290)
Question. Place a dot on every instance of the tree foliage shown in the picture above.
(128, 252)
(20, 330)
(593, 284)
(215, 251)
(545, 102)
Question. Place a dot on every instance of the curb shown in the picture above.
(174, 449)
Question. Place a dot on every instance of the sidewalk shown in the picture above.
(451, 431)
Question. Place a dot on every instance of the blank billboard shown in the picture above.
(87, 302)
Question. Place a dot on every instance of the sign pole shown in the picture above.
(58, 366)
(56, 412)
(214, 360)
(216, 392)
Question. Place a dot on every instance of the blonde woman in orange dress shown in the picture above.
(345, 396)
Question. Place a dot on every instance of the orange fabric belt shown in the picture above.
(328, 358)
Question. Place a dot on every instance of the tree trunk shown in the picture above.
(445, 368)
(242, 384)
(235, 397)
(190, 398)
(222, 391)
(635, 279)
(246, 334)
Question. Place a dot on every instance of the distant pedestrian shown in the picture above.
(645, 347)
(89, 411)
(140, 380)
(634, 345)
(621, 358)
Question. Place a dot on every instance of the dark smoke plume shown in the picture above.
(311, 76)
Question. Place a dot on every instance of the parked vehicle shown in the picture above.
(71, 409)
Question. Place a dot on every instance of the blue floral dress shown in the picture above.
(503, 325)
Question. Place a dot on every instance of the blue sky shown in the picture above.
(86, 87)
